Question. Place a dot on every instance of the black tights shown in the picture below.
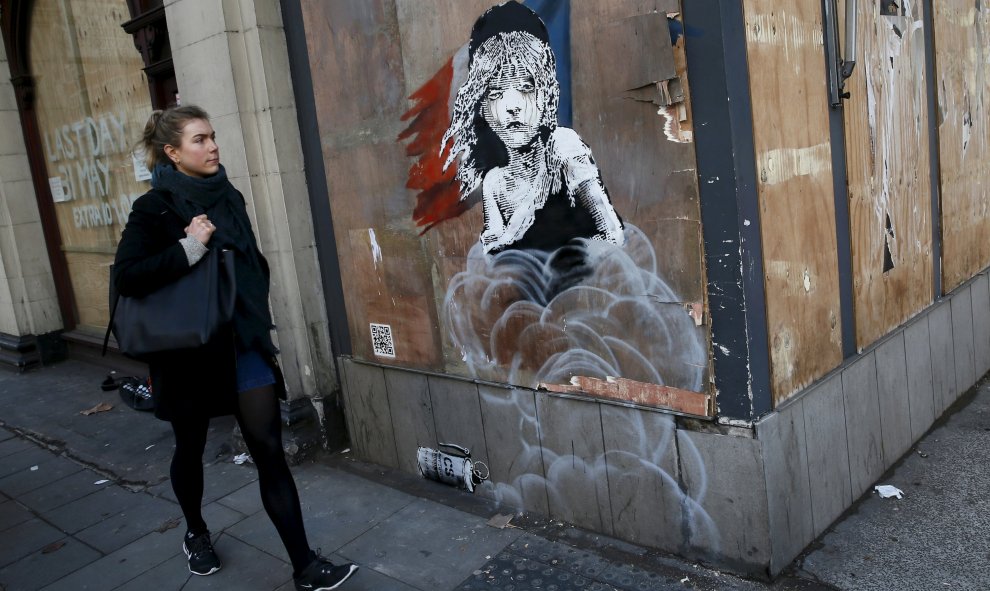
(258, 416)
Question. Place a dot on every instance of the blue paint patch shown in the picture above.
(676, 30)
(556, 14)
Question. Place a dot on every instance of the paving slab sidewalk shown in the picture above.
(85, 503)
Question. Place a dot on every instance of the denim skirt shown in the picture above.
(253, 371)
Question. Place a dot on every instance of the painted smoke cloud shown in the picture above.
(512, 322)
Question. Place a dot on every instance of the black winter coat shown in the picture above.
(184, 382)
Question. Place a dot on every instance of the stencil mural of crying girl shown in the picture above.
(540, 186)
(556, 279)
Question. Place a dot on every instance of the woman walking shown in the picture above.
(191, 209)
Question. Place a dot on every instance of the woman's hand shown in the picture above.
(201, 228)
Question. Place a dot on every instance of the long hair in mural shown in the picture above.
(557, 287)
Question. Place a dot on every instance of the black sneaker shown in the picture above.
(203, 560)
(323, 575)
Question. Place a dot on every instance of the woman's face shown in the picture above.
(511, 107)
(197, 154)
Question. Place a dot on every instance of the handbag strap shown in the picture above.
(170, 203)
(113, 310)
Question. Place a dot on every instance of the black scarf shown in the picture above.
(224, 205)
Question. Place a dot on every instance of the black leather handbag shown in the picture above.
(184, 314)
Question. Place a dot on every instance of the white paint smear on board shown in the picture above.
(376, 251)
(777, 166)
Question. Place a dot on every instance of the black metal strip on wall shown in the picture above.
(933, 148)
(843, 237)
(316, 177)
(723, 130)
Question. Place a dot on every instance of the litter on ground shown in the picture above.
(886, 491)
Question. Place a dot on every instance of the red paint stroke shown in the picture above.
(438, 196)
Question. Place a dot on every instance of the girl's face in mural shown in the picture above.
(511, 107)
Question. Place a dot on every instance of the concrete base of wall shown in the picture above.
(19, 353)
(25, 352)
(745, 499)
(828, 445)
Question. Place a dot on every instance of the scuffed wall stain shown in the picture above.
(957, 104)
(900, 32)
(784, 351)
(889, 182)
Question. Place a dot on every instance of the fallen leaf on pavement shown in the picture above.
(500, 521)
(170, 524)
(101, 407)
(52, 547)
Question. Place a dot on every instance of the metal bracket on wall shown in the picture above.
(840, 64)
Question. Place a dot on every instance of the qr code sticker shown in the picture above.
(381, 340)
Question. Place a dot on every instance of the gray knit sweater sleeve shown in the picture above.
(195, 249)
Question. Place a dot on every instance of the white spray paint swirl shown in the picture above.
(512, 321)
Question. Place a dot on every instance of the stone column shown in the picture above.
(231, 59)
(28, 302)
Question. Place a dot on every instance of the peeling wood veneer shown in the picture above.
(886, 122)
(693, 403)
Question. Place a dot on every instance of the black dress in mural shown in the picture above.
(556, 280)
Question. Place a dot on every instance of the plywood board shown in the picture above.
(794, 171)
(962, 58)
(92, 102)
(386, 272)
(447, 305)
(651, 179)
(886, 122)
(90, 276)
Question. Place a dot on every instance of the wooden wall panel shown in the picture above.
(962, 58)
(92, 104)
(791, 137)
(886, 122)
(428, 39)
(651, 178)
(360, 89)
(400, 61)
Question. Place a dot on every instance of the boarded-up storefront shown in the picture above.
(643, 258)
(608, 285)
(772, 290)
